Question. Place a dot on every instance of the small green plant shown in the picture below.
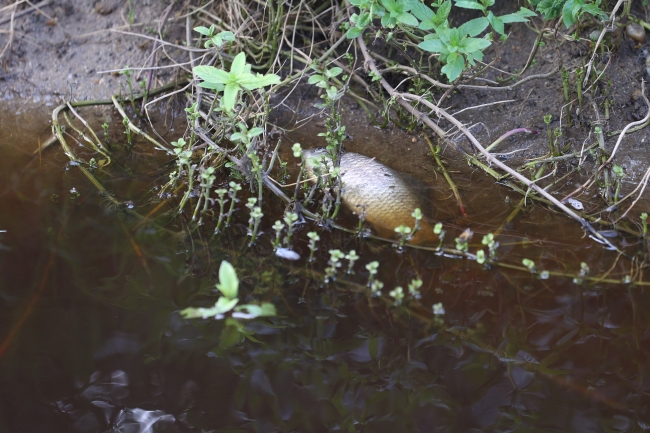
(255, 218)
(398, 295)
(462, 241)
(456, 47)
(313, 238)
(404, 232)
(417, 215)
(438, 231)
(372, 271)
(334, 263)
(127, 132)
(129, 83)
(570, 10)
(278, 227)
(375, 288)
(438, 309)
(245, 136)
(221, 193)
(335, 130)
(228, 286)
(644, 221)
(290, 220)
(351, 257)
(207, 180)
(105, 128)
(414, 288)
(489, 241)
(231, 83)
(232, 193)
(530, 265)
(217, 40)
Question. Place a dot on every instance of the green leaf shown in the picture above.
(364, 19)
(254, 132)
(408, 19)
(202, 30)
(388, 21)
(224, 305)
(228, 281)
(251, 311)
(433, 46)
(215, 86)
(315, 79)
(422, 12)
(226, 36)
(354, 32)
(568, 16)
(470, 5)
(496, 23)
(454, 67)
(230, 96)
(212, 74)
(444, 10)
(237, 136)
(392, 6)
(230, 334)
(474, 27)
(594, 10)
(334, 72)
(469, 45)
(518, 17)
(252, 82)
(238, 66)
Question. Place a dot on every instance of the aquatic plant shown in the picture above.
(278, 227)
(351, 257)
(334, 263)
(290, 219)
(221, 194)
(313, 238)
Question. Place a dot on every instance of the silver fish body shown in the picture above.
(386, 197)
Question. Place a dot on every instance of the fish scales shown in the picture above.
(386, 197)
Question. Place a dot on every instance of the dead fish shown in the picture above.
(387, 197)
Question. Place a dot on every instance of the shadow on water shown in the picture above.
(92, 337)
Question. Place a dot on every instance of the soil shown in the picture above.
(64, 52)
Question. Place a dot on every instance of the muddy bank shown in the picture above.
(62, 50)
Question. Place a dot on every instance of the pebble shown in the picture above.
(636, 32)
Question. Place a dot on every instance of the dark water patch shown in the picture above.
(93, 339)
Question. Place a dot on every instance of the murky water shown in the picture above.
(92, 339)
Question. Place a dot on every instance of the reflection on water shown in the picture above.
(92, 339)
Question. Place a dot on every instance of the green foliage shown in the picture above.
(457, 46)
(245, 135)
(229, 287)
(239, 78)
(529, 264)
(217, 40)
(570, 10)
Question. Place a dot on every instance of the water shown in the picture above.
(92, 338)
